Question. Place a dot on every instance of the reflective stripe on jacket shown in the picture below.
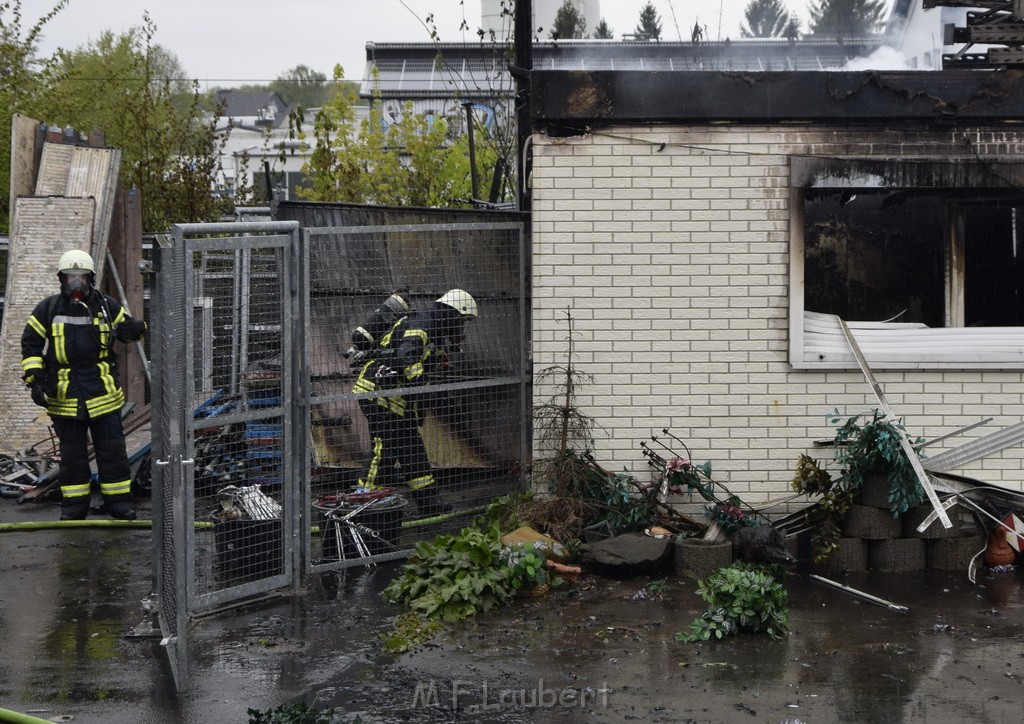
(407, 346)
(67, 347)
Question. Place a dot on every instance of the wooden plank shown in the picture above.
(125, 247)
(908, 448)
(26, 144)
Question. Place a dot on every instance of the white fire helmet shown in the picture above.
(461, 301)
(75, 261)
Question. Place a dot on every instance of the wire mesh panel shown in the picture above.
(239, 381)
(225, 321)
(416, 405)
(167, 430)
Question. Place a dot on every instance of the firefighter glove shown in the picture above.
(386, 376)
(130, 330)
(37, 394)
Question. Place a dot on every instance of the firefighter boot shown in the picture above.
(121, 508)
(74, 508)
(428, 502)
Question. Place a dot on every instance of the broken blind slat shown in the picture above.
(911, 342)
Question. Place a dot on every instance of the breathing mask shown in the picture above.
(76, 284)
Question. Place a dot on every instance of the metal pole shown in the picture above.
(524, 63)
(468, 105)
(865, 596)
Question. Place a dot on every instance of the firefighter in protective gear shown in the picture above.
(69, 365)
(403, 357)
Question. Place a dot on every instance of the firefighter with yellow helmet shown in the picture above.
(70, 368)
(402, 357)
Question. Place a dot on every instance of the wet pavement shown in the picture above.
(589, 653)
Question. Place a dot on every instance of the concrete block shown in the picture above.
(953, 554)
(875, 491)
(700, 558)
(851, 555)
(897, 555)
(863, 521)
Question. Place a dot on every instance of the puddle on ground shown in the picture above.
(593, 652)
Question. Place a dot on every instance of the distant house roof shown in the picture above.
(473, 70)
(253, 107)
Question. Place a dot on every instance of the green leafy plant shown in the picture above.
(526, 566)
(872, 444)
(741, 598)
(454, 576)
(865, 444)
(505, 511)
(408, 631)
(620, 503)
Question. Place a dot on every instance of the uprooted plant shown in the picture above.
(561, 472)
(741, 598)
(680, 474)
(455, 576)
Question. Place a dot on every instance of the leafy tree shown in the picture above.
(569, 23)
(136, 92)
(846, 17)
(650, 22)
(765, 19)
(302, 85)
(413, 161)
(22, 77)
(603, 32)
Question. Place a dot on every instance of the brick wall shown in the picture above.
(42, 230)
(670, 246)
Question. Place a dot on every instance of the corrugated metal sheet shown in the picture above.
(82, 172)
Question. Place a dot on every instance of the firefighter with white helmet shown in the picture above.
(69, 365)
(403, 357)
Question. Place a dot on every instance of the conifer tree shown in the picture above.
(765, 19)
(650, 23)
(846, 18)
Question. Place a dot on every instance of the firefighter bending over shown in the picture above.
(69, 366)
(402, 357)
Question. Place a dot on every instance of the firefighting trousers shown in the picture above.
(397, 453)
(111, 458)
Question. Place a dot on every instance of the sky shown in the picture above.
(227, 43)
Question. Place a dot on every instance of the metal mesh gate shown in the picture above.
(272, 457)
(225, 324)
(401, 453)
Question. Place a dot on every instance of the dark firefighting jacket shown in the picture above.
(408, 353)
(67, 347)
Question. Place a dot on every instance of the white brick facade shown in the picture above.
(670, 245)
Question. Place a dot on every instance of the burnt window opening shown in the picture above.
(882, 255)
(933, 247)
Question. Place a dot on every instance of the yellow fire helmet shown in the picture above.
(75, 261)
